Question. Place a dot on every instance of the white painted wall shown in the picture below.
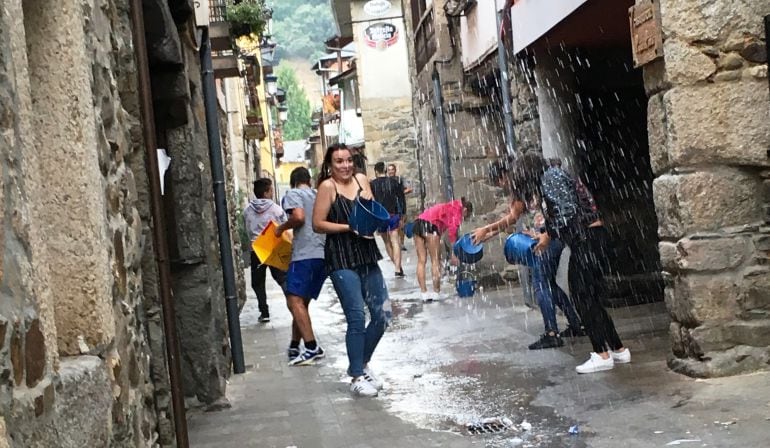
(382, 73)
(533, 18)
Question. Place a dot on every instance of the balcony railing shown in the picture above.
(217, 9)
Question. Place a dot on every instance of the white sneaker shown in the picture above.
(595, 364)
(372, 378)
(362, 388)
(426, 297)
(623, 357)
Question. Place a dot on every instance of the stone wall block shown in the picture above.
(712, 254)
(34, 354)
(83, 395)
(695, 299)
(755, 291)
(668, 256)
(17, 357)
(723, 123)
(3, 434)
(695, 20)
(705, 201)
(686, 64)
(656, 130)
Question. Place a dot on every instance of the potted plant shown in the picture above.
(253, 116)
(247, 17)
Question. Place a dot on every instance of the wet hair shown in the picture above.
(467, 205)
(555, 162)
(527, 175)
(326, 166)
(499, 169)
(359, 162)
(261, 187)
(299, 176)
(379, 168)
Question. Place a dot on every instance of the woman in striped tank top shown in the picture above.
(351, 261)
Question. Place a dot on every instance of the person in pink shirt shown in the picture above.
(428, 228)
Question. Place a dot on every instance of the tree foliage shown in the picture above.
(301, 27)
(297, 126)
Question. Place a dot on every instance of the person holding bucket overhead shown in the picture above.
(351, 260)
(427, 230)
(570, 217)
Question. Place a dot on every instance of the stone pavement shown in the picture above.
(456, 361)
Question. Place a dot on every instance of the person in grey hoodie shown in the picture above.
(257, 215)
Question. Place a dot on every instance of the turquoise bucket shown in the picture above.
(466, 251)
(367, 216)
(518, 249)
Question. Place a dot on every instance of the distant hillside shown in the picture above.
(301, 27)
(307, 78)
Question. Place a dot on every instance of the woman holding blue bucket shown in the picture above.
(570, 217)
(427, 230)
(351, 260)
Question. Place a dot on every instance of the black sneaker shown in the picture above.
(546, 341)
(264, 318)
(400, 274)
(572, 332)
(293, 353)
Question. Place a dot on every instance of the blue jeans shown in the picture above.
(355, 288)
(547, 292)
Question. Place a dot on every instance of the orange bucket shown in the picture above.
(271, 250)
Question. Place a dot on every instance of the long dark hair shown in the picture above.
(326, 166)
(527, 175)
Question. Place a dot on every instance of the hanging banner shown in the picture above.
(381, 35)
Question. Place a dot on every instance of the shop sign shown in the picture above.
(381, 35)
(377, 8)
(646, 34)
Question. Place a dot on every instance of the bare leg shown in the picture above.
(299, 310)
(433, 243)
(388, 247)
(395, 249)
(422, 260)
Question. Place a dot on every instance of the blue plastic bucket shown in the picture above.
(465, 288)
(518, 249)
(466, 251)
(367, 217)
(409, 229)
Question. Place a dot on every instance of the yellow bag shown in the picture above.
(271, 250)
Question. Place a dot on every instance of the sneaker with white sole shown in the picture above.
(362, 388)
(623, 357)
(308, 357)
(595, 364)
(426, 297)
(373, 379)
(292, 353)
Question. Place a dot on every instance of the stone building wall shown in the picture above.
(72, 231)
(709, 133)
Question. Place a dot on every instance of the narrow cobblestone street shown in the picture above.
(450, 363)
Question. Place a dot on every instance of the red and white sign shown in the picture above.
(381, 35)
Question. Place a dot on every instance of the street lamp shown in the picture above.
(272, 84)
(283, 113)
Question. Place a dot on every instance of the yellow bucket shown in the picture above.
(271, 250)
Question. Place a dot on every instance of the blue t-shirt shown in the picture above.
(307, 244)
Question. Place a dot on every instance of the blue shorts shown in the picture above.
(393, 223)
(305, 278)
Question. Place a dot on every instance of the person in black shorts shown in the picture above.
(388, 192)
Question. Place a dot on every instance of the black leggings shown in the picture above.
(258, 278)
(588, 265)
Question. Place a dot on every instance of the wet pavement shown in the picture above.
(451, 364)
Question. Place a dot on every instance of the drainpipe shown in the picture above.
(443, 140)
(220, 201)
(158, 225)
(505, 88)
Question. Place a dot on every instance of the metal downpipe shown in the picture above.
(220, 201)
(505, 89)
(158, 225)
(443, 140)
